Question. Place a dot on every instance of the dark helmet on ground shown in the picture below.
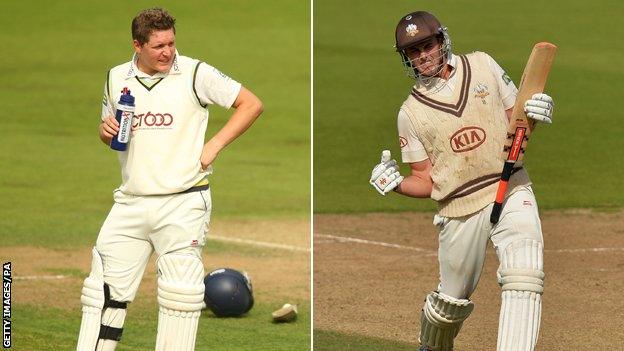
(415, 28)
(228, 292)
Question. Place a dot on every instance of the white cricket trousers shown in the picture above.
(463, 240)
(139, 225)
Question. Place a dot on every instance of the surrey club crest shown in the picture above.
(411, 30)
(481, 91)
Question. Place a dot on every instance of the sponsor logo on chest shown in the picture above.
(151, 120)
(467, 138)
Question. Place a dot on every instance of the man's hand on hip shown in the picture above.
(385, 176)
(209, 153)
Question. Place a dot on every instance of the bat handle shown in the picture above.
(500, 193)
(496, 211)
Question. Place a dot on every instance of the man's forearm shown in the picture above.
(241, 120)
(413, 186)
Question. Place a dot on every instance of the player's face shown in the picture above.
(158, 53)
(426, 57)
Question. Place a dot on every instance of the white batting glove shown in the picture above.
(539, 108)
(385, 175)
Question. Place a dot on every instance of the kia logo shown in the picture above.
(467, 138)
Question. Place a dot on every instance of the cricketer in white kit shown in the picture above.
(163, 203)
(452, 129)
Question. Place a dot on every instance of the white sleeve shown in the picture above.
(107, 104)
(412, 150)
(506, 87)
(214, 87)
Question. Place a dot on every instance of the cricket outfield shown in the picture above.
(375, 257)
(57, 178)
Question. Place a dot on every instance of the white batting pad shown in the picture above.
(92, 300)
(521, 277)
(181, 297)
(441, 320)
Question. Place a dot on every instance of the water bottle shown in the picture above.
(123, 115)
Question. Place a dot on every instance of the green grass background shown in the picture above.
(57, 178)
(250, 333)
(359, 86)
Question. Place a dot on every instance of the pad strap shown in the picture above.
(110, 333)
(108, 302)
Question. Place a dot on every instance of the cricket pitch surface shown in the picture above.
(373, 271)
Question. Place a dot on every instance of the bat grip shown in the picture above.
(496, 211)
(500, 193)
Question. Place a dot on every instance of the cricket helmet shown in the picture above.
(415, 28)
(228, 292)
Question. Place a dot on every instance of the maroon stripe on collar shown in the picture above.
(455, 109)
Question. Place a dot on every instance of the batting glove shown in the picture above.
(385, 175)
(539, 108)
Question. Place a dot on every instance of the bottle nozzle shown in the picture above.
(126, 97)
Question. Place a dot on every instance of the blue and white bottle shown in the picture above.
(123, 115)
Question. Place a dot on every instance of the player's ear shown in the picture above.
(137, 46)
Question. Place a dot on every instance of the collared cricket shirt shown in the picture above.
(169, 123)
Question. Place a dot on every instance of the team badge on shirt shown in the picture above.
(411, 30)
(481, 91)
(402, 142)
(506, 78)
(223, 75)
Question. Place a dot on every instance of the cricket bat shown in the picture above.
(520, 127)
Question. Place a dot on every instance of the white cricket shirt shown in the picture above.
(169, 122)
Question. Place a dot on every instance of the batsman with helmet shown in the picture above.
(163, 204)
(452, 129)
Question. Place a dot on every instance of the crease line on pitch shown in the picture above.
(39, 277)
(258, 243)
(377, 243)
(591, 249)
(418, 249)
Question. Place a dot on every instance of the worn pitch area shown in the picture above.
(372, 272)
